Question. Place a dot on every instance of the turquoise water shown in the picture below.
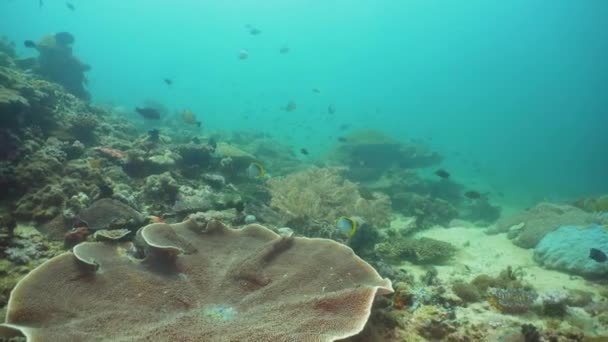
(513, 93)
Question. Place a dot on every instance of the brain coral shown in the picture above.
(567, 249)
(197, 282)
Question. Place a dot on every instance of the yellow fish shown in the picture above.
(190, 118)
(347, 226)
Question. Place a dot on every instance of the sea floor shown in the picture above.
(481, 253)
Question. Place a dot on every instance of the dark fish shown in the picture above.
(154, 135)
(212, 142)
(316, 90)
(304, 151)
(442, 173)
(148, 113)
(284, 50)
(254, 31)
(29, 44)
(291, 106)
(70, 6)
(597, 255)
(331, 109)
(64, 38)
(344, 127)
(342, 139)
(472, 194)
(168, 81)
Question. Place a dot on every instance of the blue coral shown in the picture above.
(567, 249)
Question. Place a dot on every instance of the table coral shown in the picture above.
(198, 281)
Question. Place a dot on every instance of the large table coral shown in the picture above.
(197, 282)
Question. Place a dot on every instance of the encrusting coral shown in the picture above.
(198, 281)
(313, 199)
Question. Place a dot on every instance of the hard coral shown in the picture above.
(539, 221)
(423, 250)
(313, 199)
(201, 282)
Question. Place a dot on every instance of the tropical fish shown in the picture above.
(471, 194)
(291, 106)
(347, 226)
(597, 255)
(304, 151)
(190, 118)
(243, 54)
(442, 173)
(284, 50)
(70, 6)
(316, 90)
(331, 109)
(168, 81)
(29, 44)
(148, 113)
(255, 170)
(254, 31)
(342, 139)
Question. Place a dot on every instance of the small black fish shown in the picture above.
(70, 6)
(342, 139)
(304, 151)
(331, 109)
(168, 81)
(284, 50)
(254, 31)
(212, 142)
(442, 173)
(472, 194)
(344, 127)
(597, 255)
(154, 135)
(148, 113)
(29, 44)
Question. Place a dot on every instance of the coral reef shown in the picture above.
(567, 249)
(312, 200)
(369, 153)
(223, 283)
(429, 211)
(527, 228)
(423, 250)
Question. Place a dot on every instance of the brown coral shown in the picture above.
(315, 198)
(198, 282)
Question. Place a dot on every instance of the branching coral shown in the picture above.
(316, 197)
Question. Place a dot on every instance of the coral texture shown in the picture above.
(540, 220)
(322, 195)
(201, 282)
(567, 249)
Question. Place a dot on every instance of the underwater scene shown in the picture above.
(304, 170)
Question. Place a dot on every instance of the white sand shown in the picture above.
(490, 254)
